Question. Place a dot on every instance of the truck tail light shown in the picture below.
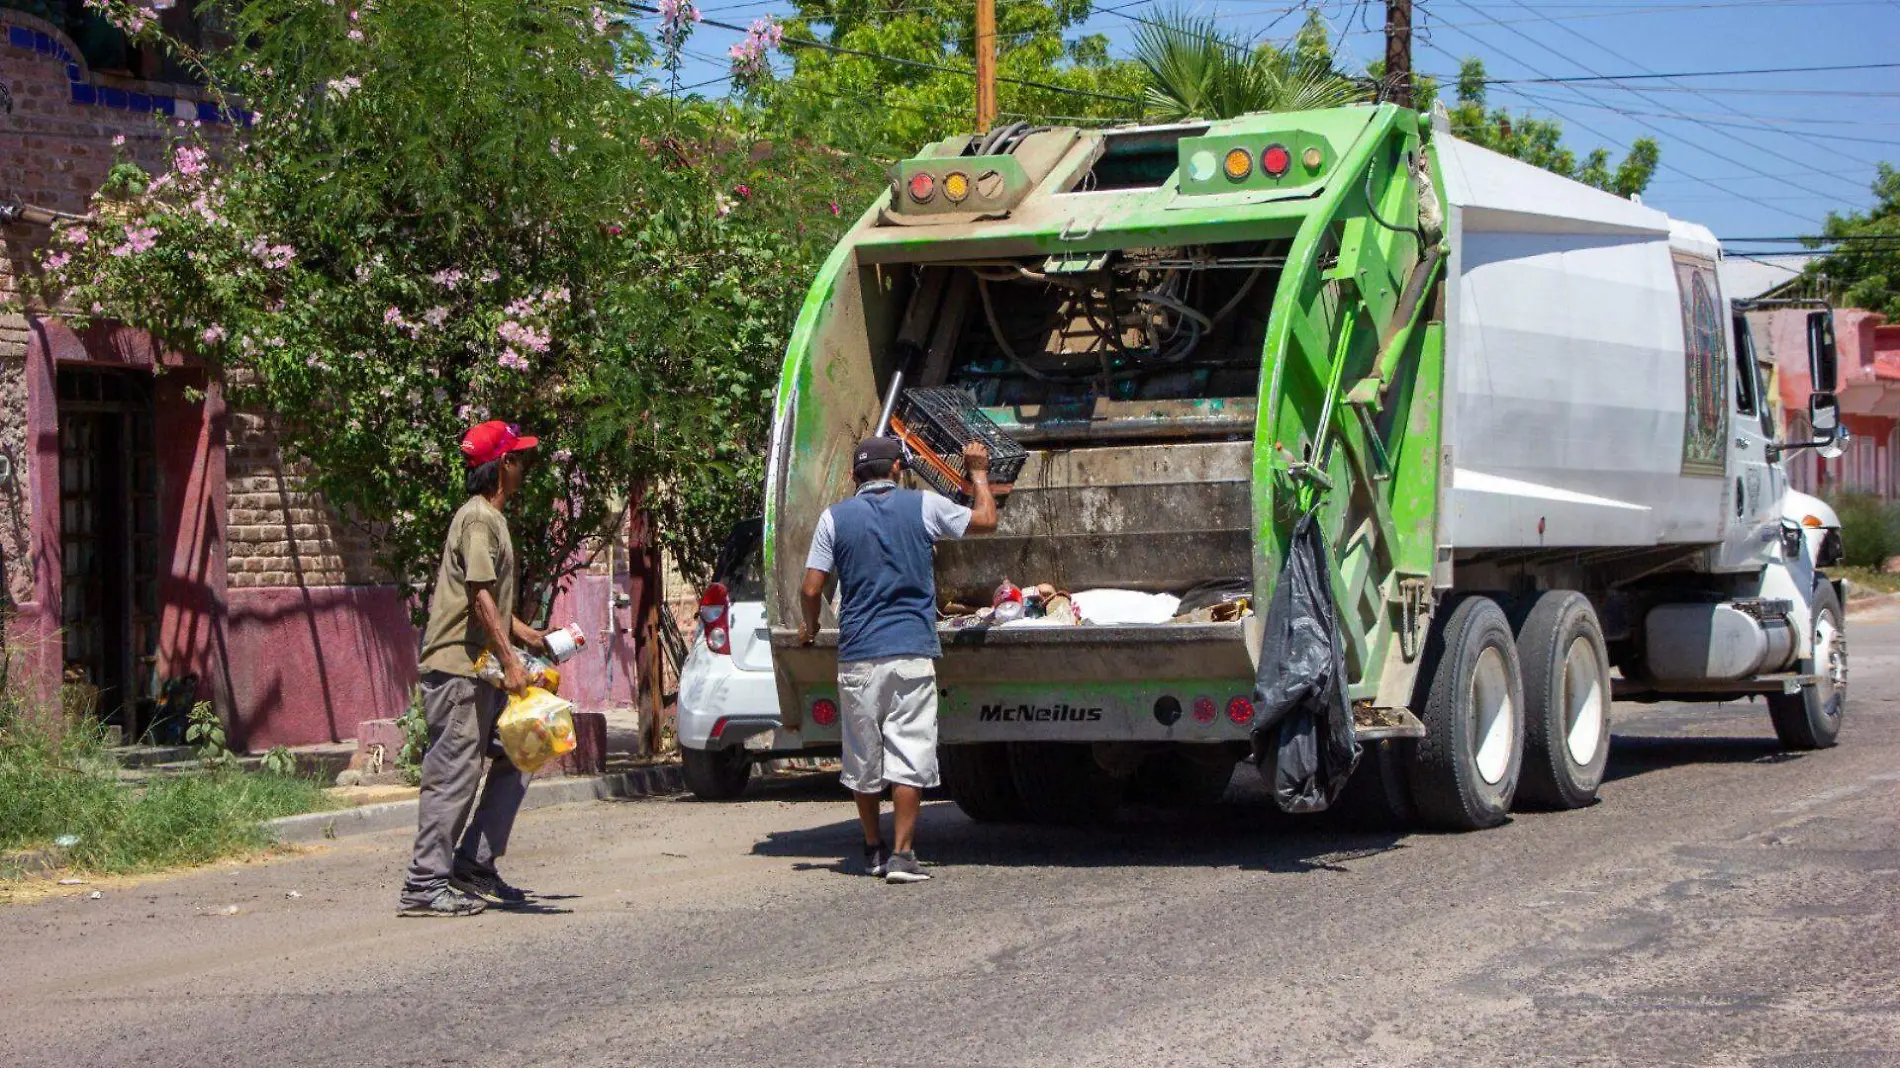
(1203, 709)
(715, 618)
(1275, 160)
(824, 712)
(1240, 710)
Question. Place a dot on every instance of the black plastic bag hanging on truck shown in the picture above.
(1301, 720)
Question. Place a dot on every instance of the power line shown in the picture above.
(1713, 120)
(806, 42)
(1657, 129)
(1647, 75)
(1673, 80)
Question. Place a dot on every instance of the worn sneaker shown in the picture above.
(875, 857)
(903, 868)
(447, 902)
(490, 888)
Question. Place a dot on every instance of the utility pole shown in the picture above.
(985, 65)
(1398, 51)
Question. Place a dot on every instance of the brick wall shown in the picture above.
(280, 532)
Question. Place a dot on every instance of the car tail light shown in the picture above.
(719, 727)
(1275, 160)
(824, 712)
(715, 618)
(1203, 710)
(1240, 710)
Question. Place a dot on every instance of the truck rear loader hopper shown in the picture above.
(1508, 396)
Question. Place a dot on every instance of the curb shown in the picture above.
(658, 781)
(1872, 602)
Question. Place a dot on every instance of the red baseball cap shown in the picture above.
(487, 442)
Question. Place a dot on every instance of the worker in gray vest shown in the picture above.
(878, 543)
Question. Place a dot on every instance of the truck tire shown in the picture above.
(1566, 701)
(1060, 782)
(977, 778)
(717, 774)
(1173, 779)
(1811, 719)
(1464, 771)
(1378, 796)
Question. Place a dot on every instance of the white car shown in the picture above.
(728, 695)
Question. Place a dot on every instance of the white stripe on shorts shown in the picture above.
(888, 709)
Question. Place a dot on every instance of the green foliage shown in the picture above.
(278, 761)
(1870, 529)
(59, 785)
(204, 731)
(1539, 142)
(415, 740)
(1194, 71)
(889, 110)
(1866, 274)
(446, 212)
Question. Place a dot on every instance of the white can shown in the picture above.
(565, 642)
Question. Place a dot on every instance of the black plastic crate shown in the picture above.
(937, 424)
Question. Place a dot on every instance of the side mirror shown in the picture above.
(1824, 417)
(1823, 364)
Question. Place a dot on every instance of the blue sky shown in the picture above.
(1749, 156)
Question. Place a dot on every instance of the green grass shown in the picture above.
(1866, 580)
(65, 784)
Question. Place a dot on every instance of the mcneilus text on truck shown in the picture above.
(1531, 432)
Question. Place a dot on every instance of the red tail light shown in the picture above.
(1203, 710)
(1275, 160)
(824, 712)
(715, 618)
(1240, 710)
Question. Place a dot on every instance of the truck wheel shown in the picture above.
(1377, 796)
(1566, 701)
(1811, 719)
(978, 780)
(1060, 782)
(1173, 779)
(717, 774)
(1464, 771)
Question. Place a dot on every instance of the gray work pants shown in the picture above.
(461, 713)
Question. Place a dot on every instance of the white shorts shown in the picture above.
(888, 709)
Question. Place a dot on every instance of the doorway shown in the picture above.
(109, 541)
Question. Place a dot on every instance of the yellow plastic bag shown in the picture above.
(536, 727)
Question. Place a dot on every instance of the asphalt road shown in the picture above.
(1725, 904)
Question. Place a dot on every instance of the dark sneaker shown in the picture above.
(903, 868)
(490, 888)
(875, 857)
(447, 902)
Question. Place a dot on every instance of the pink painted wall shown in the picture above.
(1869, 354)
(307, 665)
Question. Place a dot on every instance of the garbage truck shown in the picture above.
(1531, 436)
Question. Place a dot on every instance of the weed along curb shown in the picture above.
(658, 781)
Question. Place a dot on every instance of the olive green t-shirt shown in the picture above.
(478, 550)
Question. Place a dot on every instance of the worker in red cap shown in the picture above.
(472, 611)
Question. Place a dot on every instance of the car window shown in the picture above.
(742, 562)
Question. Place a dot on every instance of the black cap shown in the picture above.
(877, 454)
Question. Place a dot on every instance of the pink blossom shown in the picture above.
(600, 20)
(189, 160)
(743, 190)
(448, 279)
(436, 316)
(676, 20)
(356, 35)
(392, 315)
(78, 235)
(751, 59)
(341, 88)
(489, 276)
(213, 334)
(118, 140)
(525, 336)
(273, 257)
(57, 260)
(137, 239)
(464, 413)
(834, 208)
(512, 360)
(562, 456)
(355, 16)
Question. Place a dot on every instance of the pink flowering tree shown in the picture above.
(435, 213)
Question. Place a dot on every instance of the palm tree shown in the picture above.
(1195, 71)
